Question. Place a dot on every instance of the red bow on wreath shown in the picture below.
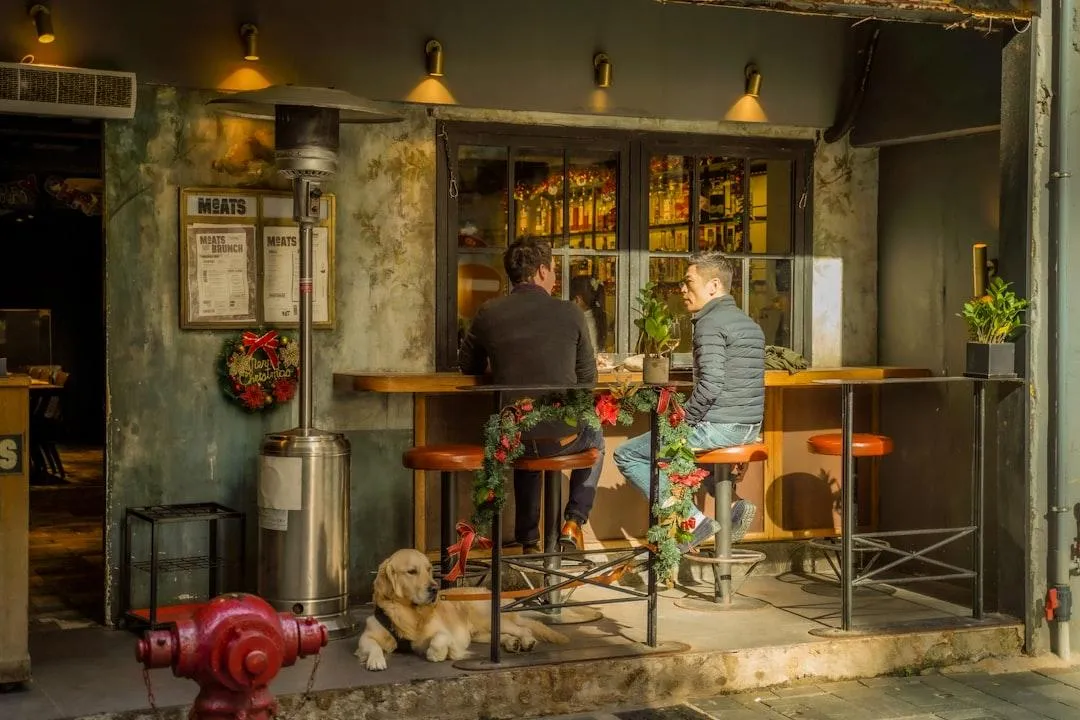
(268, 343)
(467, 535)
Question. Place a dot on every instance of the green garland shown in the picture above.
(674, 508)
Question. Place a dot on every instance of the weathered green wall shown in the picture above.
(171, 436)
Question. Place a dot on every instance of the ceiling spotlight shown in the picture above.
(250, 35)
(601, 70)
(753, 80)
(434, 53)
(42, 18)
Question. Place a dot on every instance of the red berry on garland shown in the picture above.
(500, 455)
(490, 496)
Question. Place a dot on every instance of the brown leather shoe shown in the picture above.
(531, 548)
(571, 537)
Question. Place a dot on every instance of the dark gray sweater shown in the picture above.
(530, 338)
(729, 366)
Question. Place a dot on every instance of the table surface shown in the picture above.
(453, 382)
(484, 388)
(910, 380)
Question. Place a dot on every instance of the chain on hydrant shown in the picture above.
(232, 647)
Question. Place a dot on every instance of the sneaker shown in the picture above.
(742, 517)
(702, 532)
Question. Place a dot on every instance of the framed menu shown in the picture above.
(240, 260)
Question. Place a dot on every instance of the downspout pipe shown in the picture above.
(1059, 561)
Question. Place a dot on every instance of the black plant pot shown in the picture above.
(991, 360)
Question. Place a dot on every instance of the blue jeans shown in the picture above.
(633, 457)
(583, 482)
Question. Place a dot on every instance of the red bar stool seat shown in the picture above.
(864, 445)
(723, 556)
(446, 460)
(553, 468)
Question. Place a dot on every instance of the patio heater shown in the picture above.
(304, 472)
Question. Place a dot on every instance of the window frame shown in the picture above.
(633, 150)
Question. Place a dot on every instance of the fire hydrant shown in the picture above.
(232, 647)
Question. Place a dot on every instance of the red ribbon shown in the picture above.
(664, 399)
(467, 536)
(267, 343)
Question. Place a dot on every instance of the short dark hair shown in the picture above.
(712, 264)
(523, 258)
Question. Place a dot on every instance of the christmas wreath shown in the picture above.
(259, 371)
(674, 509)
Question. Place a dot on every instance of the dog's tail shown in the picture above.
(543, 632)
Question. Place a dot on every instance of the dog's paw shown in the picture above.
(375, 662)
(527, 643)
(436, 653)
(510, 643)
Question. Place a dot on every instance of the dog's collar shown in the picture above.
(383, 619)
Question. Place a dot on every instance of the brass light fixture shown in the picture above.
(602, 70)
(434, 53)
(250, 35)
(42, 18)
(753, 80)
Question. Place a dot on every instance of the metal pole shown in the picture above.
(496, 571)
(1061, 364)
(552, 514)
(654, 498)
(304, 395)
(847, 516)
(978, 480)
(722, 549)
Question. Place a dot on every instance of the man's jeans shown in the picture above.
(583, 482)
(633, 459)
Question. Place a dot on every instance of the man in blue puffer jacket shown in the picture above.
(727, 404)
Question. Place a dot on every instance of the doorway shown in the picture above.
(52, 328)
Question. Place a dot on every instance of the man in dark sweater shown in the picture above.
(531, 338)
(727, 404)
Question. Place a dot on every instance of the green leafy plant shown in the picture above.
(657, 324)
(996, 316)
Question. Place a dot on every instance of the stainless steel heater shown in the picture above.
(304, 472)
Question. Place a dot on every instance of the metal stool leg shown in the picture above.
(722, 548)
(446, 523)
(724, 597)
(553, 508)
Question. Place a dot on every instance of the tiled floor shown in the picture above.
(66, 553)
(1042, 695)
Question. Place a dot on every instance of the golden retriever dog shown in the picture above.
(408, 612)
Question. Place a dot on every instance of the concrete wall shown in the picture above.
(927, 82)
(171, 437)
(937, 198)
(669, 61)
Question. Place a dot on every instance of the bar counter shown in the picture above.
(797, 493)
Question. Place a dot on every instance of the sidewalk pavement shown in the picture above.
(1048, 693)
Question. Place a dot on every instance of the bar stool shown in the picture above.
(553, 467)
(446, 460)
(723, 557)
(862, 445)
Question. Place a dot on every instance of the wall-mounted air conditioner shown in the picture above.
(28, 89)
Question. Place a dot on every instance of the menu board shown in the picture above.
(240, 260)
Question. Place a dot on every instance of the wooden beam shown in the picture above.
(979, 13)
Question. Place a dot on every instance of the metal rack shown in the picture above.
(213, 561)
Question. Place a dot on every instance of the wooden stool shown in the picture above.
(723, 557)
(553, 467)
(446, 460)
(862, 445)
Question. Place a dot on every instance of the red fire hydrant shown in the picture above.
(232, 647)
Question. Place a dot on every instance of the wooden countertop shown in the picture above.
(449, 382)
(15, 381)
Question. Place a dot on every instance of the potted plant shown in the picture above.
(657, 334)
(993, 321)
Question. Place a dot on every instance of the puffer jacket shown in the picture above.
(729, 366)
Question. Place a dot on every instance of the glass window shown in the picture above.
(569, 190)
